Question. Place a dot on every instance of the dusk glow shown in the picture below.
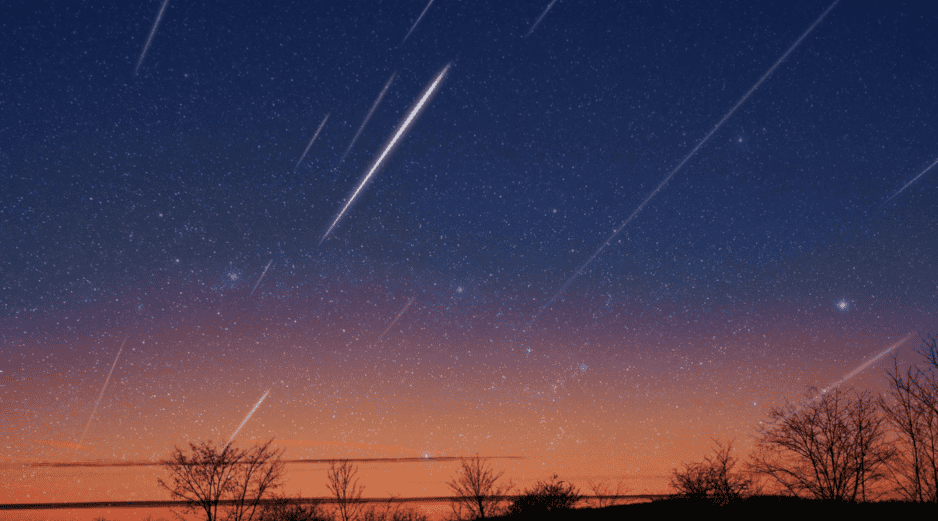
(588, 249)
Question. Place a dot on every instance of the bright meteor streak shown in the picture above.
(402, 129)
(146, 46)
(579, 271)
(910, 182)
(98, 401)
(248, 417)
(311, 141)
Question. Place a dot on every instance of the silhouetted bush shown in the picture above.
(392, 512)
(283, 509)
(545, 497)
(712, 479)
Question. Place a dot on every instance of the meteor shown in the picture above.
(539, 18)
(98, 401)
(368, 117)
(843, 380)
(415, 23)
(262, 274)
(316, 135)
(398, 317)
(156, 23)
(862, 367)
(248, 417)
(910, 182)
(402, 129)
(579, 271)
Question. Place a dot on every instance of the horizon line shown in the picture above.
(301, 500)
(415, 459)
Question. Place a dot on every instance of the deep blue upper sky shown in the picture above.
(532, 152)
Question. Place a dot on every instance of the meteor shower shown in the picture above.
(437, 260)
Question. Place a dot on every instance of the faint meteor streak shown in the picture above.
(795, 410)
(402, 129)
(248, 417)
(417, 22)
(579, 270)
(98, 401)
(398, 317)
(146, 46)
(262, 275)
(539, 18)
(368, 117)
(862, 367)
(910, 182)
(311, 141)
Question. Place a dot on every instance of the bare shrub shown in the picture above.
(545, 497)
(343, 484)
(604, 493)
(477, 489)
(713, 479)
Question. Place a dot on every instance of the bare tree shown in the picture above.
(713, 479)
(834, 447)
(215, 479)
(343, 484)
(911, 407)
(604, 494)
(477, 489)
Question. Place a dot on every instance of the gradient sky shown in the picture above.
(163, 204)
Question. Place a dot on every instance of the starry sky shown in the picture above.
(165, 200)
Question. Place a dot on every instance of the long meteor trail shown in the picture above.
(417, 22)
(402, 129)
(262, 276)
(248, 417)
(368, 117)
(98, 401)
(579, 271)
(398, 317)
(311, 141)
(845, 379)
(863, 366)
(146, 46)
(910, 182)
(539, 18)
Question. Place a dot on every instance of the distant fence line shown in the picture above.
(292, 501)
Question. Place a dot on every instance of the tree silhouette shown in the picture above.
(911, 407)
(343, 484)
(713, 478)
(215, 479)
(477, 488)
(834, 447)
(545, 497)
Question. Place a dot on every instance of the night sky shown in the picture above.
(473, 298)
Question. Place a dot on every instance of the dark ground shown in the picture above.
(754, 508)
